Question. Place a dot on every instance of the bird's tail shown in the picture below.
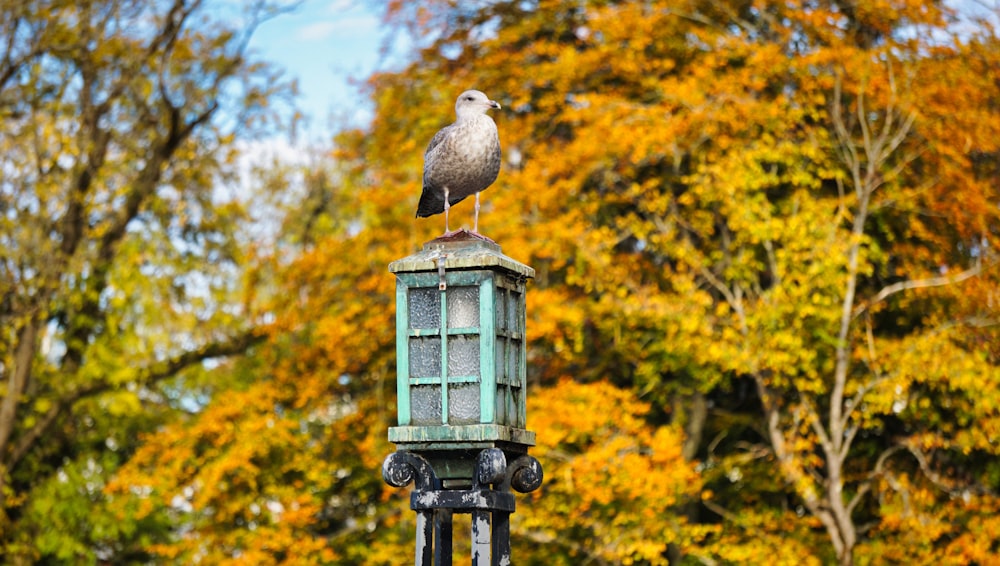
(431, 203)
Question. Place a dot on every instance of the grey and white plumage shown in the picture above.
(462, 159)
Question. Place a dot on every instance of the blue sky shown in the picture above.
(325, 44)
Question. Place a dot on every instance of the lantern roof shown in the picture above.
(461, 250)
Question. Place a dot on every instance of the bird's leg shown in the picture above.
(447, 206)
(475, 224)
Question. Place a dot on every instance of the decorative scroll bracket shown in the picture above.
(490, 506)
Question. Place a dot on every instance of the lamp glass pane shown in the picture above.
(513, 310)
(424, 307)
(425, 404)
(500, 360)
(501, 306)
(513, 361)
(463, 403)
(501, 404)
(463, 355)
(515, 401)
(425, 356)
(463, 307)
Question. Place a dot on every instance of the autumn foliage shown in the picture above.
(764, 327)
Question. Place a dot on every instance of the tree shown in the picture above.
(615, 484)
(122, 248)
(758, 203)
(284, 470)
(765, 241)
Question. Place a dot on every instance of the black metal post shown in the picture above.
(442, 537)
(489, 500)
(482, 539)
(501, 537)
(425, 534)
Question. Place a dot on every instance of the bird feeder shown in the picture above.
(460, 343)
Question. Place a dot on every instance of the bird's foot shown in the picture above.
(482, 237)
(464, 232)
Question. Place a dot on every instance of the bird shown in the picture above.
(462, 158)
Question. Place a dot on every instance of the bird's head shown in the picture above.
(472, 102)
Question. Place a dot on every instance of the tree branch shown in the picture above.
(27, 345)
(901, 286)
(148, 375)
(795, 477)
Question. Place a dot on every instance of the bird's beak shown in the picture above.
(494, 105)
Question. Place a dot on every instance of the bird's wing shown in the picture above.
(437, 139)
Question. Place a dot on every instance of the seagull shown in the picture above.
(462, 158)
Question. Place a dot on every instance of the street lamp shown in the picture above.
(461, 386)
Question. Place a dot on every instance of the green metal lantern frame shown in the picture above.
(460, 343)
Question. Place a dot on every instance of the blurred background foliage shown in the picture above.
(764, 326)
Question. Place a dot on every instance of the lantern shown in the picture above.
(460, 343)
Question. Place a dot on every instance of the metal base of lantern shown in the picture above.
(490, 506)
(452, 450)
(461, 433)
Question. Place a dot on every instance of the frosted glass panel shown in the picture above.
(501, 299)
(501, 415)
(425, 357)
(463, 355)
(463, 307)
(513, 361)
(514, 414)
(463, 403)
(424, 307)
(425, 404)
(513, 308)
(500, 359)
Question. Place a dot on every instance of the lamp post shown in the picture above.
(460, 384)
